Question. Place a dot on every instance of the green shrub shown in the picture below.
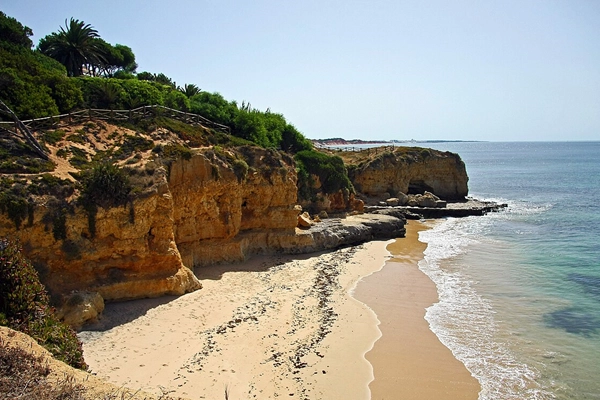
(80, 157)
(240, 168)
(330, 169)
(174, 151)
(214, 107)
(76, 138)
(106, 186)
(194, 135)
(133, 143)
(52, 185)
(305, 184)
(62, 153)
(24, 306)
(53, 137)
(292, 141)
(250, 125)
(15, 206)
(18, 157)
(177, 100)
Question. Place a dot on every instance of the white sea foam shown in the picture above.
(464, 320)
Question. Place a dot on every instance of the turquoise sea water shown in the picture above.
(520, 289)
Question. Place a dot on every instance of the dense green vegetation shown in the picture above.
(74, 68)
(329, 169)
(24, 306)
(32, 84)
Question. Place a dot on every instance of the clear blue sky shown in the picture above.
(462, 70)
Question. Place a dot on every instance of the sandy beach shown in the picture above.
(283, 326)
(409, 361)
(267, 328)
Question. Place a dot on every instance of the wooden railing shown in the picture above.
(136, 114)
(368, 150)
(24, 131)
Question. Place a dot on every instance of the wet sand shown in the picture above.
(409, 361)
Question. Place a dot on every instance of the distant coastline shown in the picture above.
(346, 142)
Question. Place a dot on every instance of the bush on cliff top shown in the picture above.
(24, 306)
(330, 169)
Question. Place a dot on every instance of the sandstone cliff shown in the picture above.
(191, 207)
(219, 216)
(408, 170)
(125, 259)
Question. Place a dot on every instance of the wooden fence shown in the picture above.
(136, 114)
(368, 150)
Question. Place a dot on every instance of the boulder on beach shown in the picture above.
(304, 220)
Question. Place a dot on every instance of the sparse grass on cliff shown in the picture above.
(24, 375)
(17, 157)
(24, 306)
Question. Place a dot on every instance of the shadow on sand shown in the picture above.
(119, 313)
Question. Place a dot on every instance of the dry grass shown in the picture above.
(25, 375)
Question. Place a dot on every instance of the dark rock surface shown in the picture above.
(453, 209)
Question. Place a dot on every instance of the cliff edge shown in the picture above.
(385, 172)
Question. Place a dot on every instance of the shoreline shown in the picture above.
(293, 326)
(409, 361)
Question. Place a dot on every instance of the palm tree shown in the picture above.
(189, 90)
(76, 46)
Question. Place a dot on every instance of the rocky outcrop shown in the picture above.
(411, 170)
(335, 232)
(339, 202)
(217, 214)
(132, 254)
(470, 207)
(81, 307)
(212, 207)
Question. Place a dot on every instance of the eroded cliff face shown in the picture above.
(410, 171)
(217, 205)
(339, 202)
(223, 216)
(206, 209)
(133, 253)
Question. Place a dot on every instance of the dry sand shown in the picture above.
(268, 328)
(409, 361)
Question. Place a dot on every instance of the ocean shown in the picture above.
(520, 289)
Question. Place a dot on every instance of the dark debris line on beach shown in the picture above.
(328, 268)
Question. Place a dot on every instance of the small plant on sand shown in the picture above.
(53, 137)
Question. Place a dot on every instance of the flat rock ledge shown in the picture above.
(332, 233)
(460, 209)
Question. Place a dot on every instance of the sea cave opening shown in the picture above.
(419, 187)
